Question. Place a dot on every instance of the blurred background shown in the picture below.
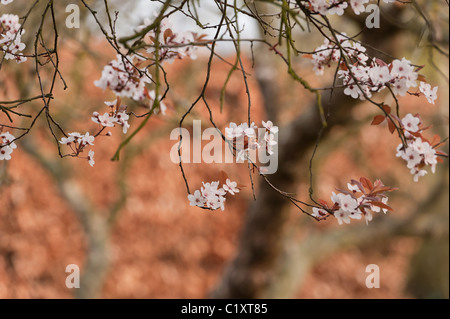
(128, 224)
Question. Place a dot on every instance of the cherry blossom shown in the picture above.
(246, 138)
(7, 145)
(362, 75)
(411, 123)
(380, 75)
(233, 131)
(78, 143)
(117, 115)
(430, 93)
(270, 142)
(342, 216)
(270, 127)
(87, 139)
(358, 6)
(211, 196)
(11, 37)
(360, 200)
(172, 45)
(123, 78)
(418, 151)
(319, 213)
(71, 138)
(197, 199)
(330, 7)
(230, 187)
(106, 120)
(91, 158)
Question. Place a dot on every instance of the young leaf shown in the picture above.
(377, 120)
(421, 78)
(322, 202)
(366, 183)
(381, 205)
(387, 109)
(391, 126)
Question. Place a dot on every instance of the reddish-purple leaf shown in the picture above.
(377, 120)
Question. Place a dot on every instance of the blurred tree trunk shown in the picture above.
(95, 227)
(262, 250)
(429, 267)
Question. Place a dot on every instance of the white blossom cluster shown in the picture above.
(330, 52)
(358, 202)
(362, 80)
(172, 45)
(210, 196)
(124, 79)
(367, 75)
(117, 115)
(11, 37)
(419, 153)
(6, 1)
(7, 146)
(78, 142)
(248, 138)
(429, 92)
(338, 7)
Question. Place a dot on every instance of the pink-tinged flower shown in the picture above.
(411, 123)
(342, 216)
(400, 87)
(74, 137)
(111, 103)
(270, 127)
(412, 157)
(418, 173)
(67, 140)
(368, 217)
(5, 153)
(338, 8)
(353, 91)
(122, 119)
(430, 93)
(359, 53)
(400, 150)
(233, 131)
(248, 131)
(353, 188)
(7, 138)
(91, 158)
(270, 142)
(358, 6)
(380, 75)
(94, 117)
(356, 214)
(197, 199)
(230, 187)
(345, 202)
(106, 120)
(404, 70)
(87, 139)
(319, 212)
